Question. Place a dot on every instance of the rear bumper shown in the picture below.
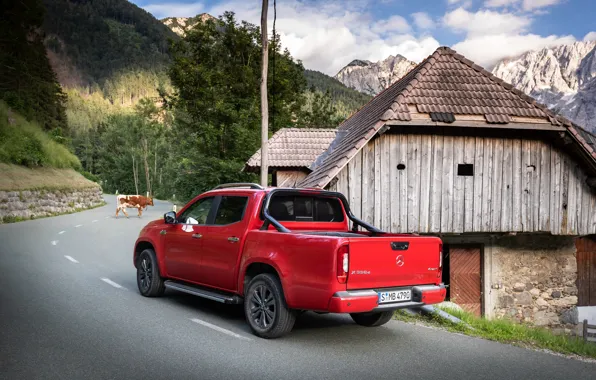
(362, 301)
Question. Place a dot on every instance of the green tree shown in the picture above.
(216, 76)
(319, 111)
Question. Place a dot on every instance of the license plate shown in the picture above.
(395, 296)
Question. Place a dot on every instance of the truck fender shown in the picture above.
(260, 260)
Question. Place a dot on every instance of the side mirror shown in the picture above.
(170, 217)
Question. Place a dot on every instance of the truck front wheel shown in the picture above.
(265, 307)
(372, 319)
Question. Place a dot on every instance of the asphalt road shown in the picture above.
(70, 309)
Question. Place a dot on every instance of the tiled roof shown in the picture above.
(294, 147)
(444, 85)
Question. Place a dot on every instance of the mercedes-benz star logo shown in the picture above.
(399, 261)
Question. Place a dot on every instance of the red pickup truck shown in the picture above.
(281, 251)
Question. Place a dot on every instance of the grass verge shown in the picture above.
(20, 178)
(16, 219)
(505, 331)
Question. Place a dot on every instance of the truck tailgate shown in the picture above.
(393, 261)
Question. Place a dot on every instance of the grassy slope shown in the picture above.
(16, 177)
(25, 143)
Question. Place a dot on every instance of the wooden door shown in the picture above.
(586, 271)
(465, 281)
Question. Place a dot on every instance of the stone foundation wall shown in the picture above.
(20, 205)
(534, 278)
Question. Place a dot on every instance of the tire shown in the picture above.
(149, 280)
(265, 307)
(372, 319)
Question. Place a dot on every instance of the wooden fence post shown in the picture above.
(585, 332)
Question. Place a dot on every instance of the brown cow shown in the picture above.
(139, 202)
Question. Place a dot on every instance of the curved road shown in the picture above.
(70, 309)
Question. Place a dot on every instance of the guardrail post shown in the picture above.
(585, 332)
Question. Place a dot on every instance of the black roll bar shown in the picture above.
(290, 191)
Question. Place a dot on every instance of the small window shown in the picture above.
(197, 213)
(231, 210)
(305, 209)
(466, 170)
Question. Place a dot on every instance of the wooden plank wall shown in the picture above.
(518, 186)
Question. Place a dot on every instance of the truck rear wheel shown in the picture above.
(265, 307)
(372, 319)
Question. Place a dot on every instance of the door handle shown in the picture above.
(233, 239)
(197, 236)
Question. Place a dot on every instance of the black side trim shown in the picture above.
(200, 291)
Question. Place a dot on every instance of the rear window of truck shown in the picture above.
(303, 208)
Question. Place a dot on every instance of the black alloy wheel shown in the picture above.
(265, 307)
(149, 281)
(262, 306)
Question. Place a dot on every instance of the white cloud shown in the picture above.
(485, 22)
(327, 36)
(590, 36)
(175, 9)
(488, 50)
(491, 35)
(423, 20)
(394, 23)
(536, 4)
(461, 3)
(500, 3)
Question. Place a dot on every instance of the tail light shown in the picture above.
(343, 254)
(440, 271)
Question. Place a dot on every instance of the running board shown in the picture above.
(210, 294)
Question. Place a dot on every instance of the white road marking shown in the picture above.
(220, 329)
(55, 242)
(61, 232)
(95, 221)
(107, 217)
(70, 258)
(78, 225)
(115, 285)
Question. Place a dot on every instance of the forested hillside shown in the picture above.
(102, 39)
(345, 100)
(27, 83)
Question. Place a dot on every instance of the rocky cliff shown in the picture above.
(181, 25)
(372, 78)
(562, 77)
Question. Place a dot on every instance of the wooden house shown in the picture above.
(291, 153)
(453, 151)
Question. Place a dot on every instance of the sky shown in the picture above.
(327, 35)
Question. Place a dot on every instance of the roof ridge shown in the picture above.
(425, 65)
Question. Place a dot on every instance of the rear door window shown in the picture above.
(230, 210)
(299, 208)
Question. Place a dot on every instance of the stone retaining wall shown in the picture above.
(537, 279)
(19, 205)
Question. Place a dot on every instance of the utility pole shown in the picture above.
(264, 102)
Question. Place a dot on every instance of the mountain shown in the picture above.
(92, 42)
(562, 77)
(372, 78)
(181, 25)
